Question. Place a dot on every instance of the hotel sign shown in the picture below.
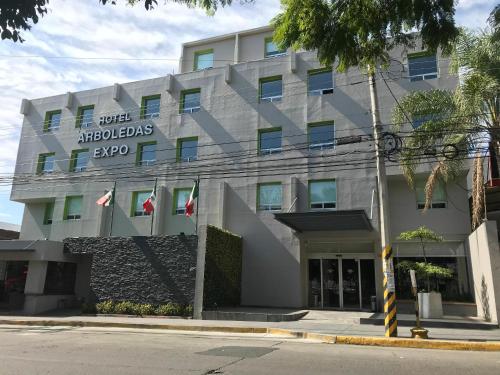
(115, 133)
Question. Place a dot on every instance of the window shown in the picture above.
(138, 198)
(271, 89)
(73, 208)
(422, 66)
(320, 81)
(322, 194)
(321, 136)
(84, 116)
(146, 153)
(52, 121)
(190, 101)
(269, 141)
(150, 107)
(181, 196)
(46, 163)
(187, 149)
(49, 213)
(418, 121)
(204, 59)
(269, 196)
(271, 49)
(79, 160)
(438, 194)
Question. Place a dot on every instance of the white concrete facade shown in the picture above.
(275, 260)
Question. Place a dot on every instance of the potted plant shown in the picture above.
(429, 298)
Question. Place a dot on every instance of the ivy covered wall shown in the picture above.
(222, 286)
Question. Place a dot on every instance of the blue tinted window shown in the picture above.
(422, 67)
(270, 142)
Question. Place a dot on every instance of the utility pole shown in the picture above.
(391, 323)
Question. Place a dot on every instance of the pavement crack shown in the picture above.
(220, 370)
(276, 344)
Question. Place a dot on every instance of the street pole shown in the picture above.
(112, 209)
(153, 213)
(197, 204)
(391, 324)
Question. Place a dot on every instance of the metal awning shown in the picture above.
(325, 220)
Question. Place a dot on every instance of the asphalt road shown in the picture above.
(118, 351)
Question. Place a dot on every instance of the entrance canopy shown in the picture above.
(325, 220)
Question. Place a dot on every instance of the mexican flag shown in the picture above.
(107, 199)
(192, 197)
(150, 203)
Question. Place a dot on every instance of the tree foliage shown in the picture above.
(422, 234)
(17, 15)
(466, 118)
(362, 32)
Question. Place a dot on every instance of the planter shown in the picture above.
(430, 305)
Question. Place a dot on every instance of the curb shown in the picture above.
(324, 338)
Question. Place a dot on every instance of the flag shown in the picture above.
(150, 203)
(107, 199)
(192, 197)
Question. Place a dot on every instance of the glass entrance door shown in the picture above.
(336, 283)
(331, 285)
(350, 284)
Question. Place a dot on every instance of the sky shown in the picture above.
(75, 28)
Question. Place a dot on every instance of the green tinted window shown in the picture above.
(73, 208)
(322, 194)
(269, 197)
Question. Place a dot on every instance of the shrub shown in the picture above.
(106, 307)
(126, 307)
(145, 309)
(188, 310)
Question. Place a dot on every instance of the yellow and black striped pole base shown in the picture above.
(391, 321)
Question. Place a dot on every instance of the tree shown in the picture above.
(457, 122)
(18, 15)
(425, 269)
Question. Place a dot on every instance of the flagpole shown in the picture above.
(112, 209)
(197, 205)
(153, 213)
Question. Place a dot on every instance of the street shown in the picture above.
(61, 350)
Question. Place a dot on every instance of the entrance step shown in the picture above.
(255, 314)
(459, 322)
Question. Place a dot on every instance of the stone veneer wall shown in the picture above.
(223, 264)
(154, 269)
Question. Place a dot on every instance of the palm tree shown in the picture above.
(448, 125)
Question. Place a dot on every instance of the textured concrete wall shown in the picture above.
(485, 259)
(157, 269)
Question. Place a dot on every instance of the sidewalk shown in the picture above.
(325, 323)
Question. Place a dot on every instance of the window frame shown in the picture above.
(144, 99)
(179, 149)
(79, 116)
(48, 214)
(269, 208)
(278, 52)
(270, 99)
(48, 120)
(271, 150)
(135, 197)
(175, 209)
(182, 101)
(313, 72)
(434, 75)
(325, 145)
(197, 55)
(41, 163)
(72, 161)
(138, 155)
(309, 202)
(66, 208)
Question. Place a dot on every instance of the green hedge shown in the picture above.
(222, 286)
(140, 309)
